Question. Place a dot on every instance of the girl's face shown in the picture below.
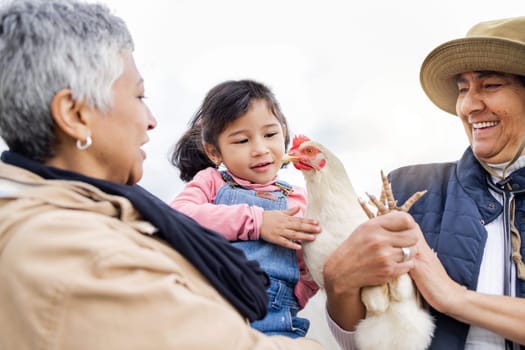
(252, 147)
(491, 106)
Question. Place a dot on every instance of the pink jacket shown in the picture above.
(240, 221)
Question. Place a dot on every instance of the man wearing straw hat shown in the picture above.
(469, 267)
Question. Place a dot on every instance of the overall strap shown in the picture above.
(285, 187)
(229, 179)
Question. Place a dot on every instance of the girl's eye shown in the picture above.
(271, 134)
(241, 141)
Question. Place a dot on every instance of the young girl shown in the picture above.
(240, 126)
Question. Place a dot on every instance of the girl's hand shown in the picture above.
(281, 227)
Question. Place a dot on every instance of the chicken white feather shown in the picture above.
(395, 318)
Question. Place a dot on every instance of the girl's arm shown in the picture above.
(234, 222)
(306, 287)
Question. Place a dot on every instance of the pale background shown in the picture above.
(345, 73)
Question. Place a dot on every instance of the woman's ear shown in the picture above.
(213, 153)
(71, 116)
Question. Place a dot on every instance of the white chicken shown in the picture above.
(395, 318)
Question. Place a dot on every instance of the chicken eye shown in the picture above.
(310, 151)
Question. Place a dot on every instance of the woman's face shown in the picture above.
(119, 134)
(491, 106)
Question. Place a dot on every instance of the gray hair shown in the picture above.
(47, 46)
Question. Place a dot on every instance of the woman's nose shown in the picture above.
(469, 102)
(152, 121)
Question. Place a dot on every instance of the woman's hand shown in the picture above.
(439, 290)
(500, 314)
(371, 255)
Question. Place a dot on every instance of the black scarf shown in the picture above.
(239, 280)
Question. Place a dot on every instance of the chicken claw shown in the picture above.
(386, 202)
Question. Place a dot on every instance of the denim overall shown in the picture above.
(278, 262)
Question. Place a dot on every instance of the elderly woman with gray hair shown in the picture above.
(88, 259)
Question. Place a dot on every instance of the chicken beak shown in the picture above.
(287, 158)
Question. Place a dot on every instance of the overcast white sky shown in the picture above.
(345, 73)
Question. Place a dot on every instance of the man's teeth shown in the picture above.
(484, 125)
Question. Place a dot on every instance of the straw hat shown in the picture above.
(497, 45)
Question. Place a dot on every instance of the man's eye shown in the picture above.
(462, 89)
(492, 85)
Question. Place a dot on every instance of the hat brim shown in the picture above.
(441, 67)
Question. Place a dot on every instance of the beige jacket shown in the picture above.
(78, 270)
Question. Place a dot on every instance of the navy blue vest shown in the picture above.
(452, 215)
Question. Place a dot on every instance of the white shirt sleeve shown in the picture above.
(344, 338)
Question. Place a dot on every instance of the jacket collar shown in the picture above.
(473, 179)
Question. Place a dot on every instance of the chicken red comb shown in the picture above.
(298, 140)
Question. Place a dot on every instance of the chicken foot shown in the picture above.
(386, 202)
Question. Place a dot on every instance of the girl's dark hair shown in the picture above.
(223, 104)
